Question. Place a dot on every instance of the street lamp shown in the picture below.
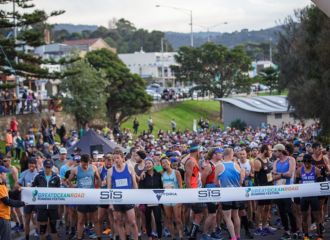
(210, 27)
(191, 20)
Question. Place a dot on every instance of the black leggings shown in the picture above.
(285, 209)
(158, 219)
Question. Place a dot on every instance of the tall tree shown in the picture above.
(126, 91)
(31, 26)
(214, 68)
(270, 77)
(84, 94)
(304, 60)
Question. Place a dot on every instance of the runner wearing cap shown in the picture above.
(283, 174)
(26, 180)
(5, 204)
(87, 176)
(229, 174)
(104, 211)
(47, 213)
(193, 180)
(63, 158)
(172, 180)
(213, 158)
(122, 176)
(63, 208)
(306, 174)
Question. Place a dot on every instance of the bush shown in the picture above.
(238, 124)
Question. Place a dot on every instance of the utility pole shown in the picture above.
(270, 50)
(163, 72)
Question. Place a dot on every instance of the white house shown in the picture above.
(154, 65)
(258, 66)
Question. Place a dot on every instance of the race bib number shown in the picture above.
(121, 182)
(281, 182)
(269, 177)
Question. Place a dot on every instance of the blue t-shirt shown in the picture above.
(27, 177)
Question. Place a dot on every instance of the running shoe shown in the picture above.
(166, 233)
(92, 235)
(258, 232)
(312, 227)
(286, 236)
(216, 235)
(295, 236)
(306, 238)
(267, 231)
(15, 228)
(205, 237)
(106, 231)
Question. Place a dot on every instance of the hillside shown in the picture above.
(228, 39)
(184, 113)
(122, 40)
(71, 28)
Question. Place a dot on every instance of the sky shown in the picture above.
(211, 14)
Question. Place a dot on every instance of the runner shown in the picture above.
(12, 180)
(214, 157)
(87, 176)
(26, 180)
(172, 180)
(193, 180)
(322, 163)
(139, 168)
(5, 204)
(245, 165)
(283, 174)
(229, 174)
(152, 180)
(47, 214)
(104, 212)
(263, 177)
(306, 174)
(122, 176)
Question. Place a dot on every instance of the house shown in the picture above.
(87, 45)
(154, 66)
(257, 111)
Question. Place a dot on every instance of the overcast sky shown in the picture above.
(251, 14)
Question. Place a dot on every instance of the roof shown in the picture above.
(264, 104)
(88, 42)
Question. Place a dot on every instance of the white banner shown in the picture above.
(77, 196)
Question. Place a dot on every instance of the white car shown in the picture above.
(155, 96)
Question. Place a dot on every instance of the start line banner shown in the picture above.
(78, 196)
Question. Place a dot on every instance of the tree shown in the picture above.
(214, 68)
(304, 60)
(126, 91)
(270, 78)
(31, 26)
(84, 96)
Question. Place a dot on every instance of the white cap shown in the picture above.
(63, 151)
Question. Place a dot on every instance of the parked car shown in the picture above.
(155, 96)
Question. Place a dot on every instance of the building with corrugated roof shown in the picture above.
(256, 111)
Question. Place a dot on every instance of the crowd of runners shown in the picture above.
(284, 155)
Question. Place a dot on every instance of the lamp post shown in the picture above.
(191, 20)
(210, 27)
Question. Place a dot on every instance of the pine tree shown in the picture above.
(22, 25)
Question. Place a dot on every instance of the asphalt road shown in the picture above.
(276, 236)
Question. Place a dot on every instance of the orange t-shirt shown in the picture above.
(4, 209)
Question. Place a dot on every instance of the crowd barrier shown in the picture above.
(76, 196)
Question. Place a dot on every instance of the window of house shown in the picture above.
(278, 115)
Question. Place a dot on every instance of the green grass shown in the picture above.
(274, 93)
(184, 113)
